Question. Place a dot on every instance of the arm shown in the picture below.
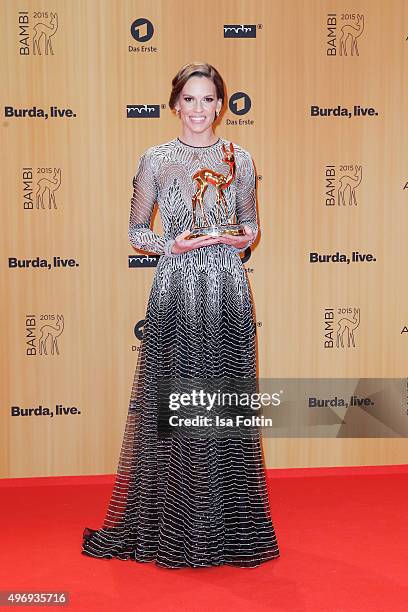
(141, 210)
(246, 198)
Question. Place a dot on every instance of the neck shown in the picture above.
(198, 140)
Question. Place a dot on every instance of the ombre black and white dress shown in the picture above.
(185, 500)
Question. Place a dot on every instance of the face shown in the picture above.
(197, 103)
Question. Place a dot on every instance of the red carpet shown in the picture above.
(343, 536)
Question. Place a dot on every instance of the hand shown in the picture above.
(181, 245)
(238, 241)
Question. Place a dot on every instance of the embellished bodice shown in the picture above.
(165, 176)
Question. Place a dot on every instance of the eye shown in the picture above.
(208, 98)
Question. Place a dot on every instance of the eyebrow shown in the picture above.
(191, 96)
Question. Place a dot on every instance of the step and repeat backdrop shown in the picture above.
(317, 93)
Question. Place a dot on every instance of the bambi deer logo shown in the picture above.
(349, 182)
(43, 30)
(45, 185)
(205, 177)
(51, 332)
(347, 326)
(353, 32)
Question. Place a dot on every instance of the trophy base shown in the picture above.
(216, 230)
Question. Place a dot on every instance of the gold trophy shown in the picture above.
(205, 177)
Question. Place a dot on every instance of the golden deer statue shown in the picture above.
(206, 176)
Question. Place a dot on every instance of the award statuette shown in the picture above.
(205, 177)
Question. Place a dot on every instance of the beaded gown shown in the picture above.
(186, 500)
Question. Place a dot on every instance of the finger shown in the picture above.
(205, 239)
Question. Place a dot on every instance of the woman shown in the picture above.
(183, 498)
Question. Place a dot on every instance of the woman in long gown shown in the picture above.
(182, 499)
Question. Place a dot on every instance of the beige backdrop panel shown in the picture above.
(87, 311)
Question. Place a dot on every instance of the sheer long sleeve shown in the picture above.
(246, 198)
(144, 196)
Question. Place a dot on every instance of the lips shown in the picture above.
(197, 119)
